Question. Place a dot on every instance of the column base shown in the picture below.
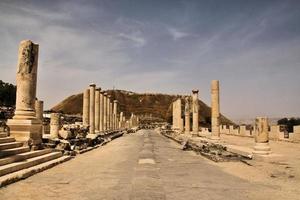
(27, 131)
(194, 134)
(214, 137)
(262, 149)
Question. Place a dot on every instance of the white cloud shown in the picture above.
(135, 37)
(176, 34)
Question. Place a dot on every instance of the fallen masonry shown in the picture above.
(210, 149)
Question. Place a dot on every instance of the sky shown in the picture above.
(160, 46)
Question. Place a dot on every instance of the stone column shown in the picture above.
(176, 113)
(92, 109)
(121, 120)
(97, 110)
(130, 124)
(105, 111)
(262, 146)
(86, 108)
(24, 126)
(108, 113)
(115, 114)
(187, 126)
(39, 109)
(215, 110)
(101, 118)
(54, 125)
(111, 115)
(195, 108)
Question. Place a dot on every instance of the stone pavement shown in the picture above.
(143, 165)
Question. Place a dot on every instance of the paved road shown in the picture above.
(143, 165)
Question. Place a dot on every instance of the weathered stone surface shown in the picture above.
(215, 110)
(86, 108)
(262, 146)
(101, 117)
(187, 111)
(105, 111)
(54, 125)
(115, 112)
(39, 109)
(65, 134)
(97, 109)
(195, 110)
(24, 126)
(92, 109)
(176, 114)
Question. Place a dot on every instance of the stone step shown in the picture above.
(13, 167)
(23, 156)
(3, 134)
(10, 145)
(6, 140)
(25, 173)
(13, 151)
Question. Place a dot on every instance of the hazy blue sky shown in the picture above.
(252, 47)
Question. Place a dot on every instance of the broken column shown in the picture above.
(187, 126)
(97, 110)
(101, 127)
(195, 110)
(54, 125)
(215, 110)
(262, 146)
(39, 109)
(92, 109)
(105, 111)
(176, 114)
(86, 108)
(24, 126)
(115, 114)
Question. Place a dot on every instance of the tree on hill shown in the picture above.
(7, 94)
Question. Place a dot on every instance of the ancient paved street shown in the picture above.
(143, 165)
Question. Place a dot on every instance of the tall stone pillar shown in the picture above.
(101, 118)
(121, 120)
(215, 110)
(115, 119)
(131, 121)
(97, 110)
(24, 126)
(176, 114)
(108, 113)
(195, 110)
(54, 125)
(111, 115)
(86, 108)
(92, 108)
(262, 146)
(105, 111)
(39, 109)
(187, 126)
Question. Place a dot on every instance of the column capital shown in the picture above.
(195, 91)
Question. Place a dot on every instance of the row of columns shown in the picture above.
(215, 112)
(100, 111)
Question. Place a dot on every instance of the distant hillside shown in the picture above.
(7, 94)
(158, 105)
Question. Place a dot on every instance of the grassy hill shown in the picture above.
(158, 105)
